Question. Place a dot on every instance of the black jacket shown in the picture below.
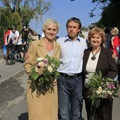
(106, 64)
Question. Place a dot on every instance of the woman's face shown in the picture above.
(112, 31)
(96, 40)
(50, 32)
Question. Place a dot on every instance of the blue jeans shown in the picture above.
(70, 98)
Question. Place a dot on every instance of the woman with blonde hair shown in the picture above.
(115, 41)
(43, 106)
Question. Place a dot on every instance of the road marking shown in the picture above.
(18, 72)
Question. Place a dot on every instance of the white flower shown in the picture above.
(104, 92)
(99, 90)
(36, 69)
(89, 75)
(87, 80)
(39, 59)
(41, 64)
(109, 92)
(52, 65)
(50, 69)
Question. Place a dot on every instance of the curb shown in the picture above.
(13, 75)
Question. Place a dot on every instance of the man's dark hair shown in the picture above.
(76, 20)
(107, 30)
(13, 28)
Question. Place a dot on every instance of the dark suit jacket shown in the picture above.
(106, 64)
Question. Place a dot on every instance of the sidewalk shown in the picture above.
(1, 54)
(6, 71)
(11, 88)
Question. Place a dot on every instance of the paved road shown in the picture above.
(1, 52)
(12, 98)
(13, 94)
(9, 70)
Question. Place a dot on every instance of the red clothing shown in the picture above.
(6, 34)
(116, 42)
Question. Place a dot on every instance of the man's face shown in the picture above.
(25, 29)
(73, 30)
(13, 30)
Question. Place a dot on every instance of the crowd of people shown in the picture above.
(16, 43)
(78, 57)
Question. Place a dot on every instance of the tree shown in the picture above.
(20, 12)
(27, 9)
(110, 16)
(5, 22)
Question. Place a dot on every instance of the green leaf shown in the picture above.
(35, 77)
(41, 80)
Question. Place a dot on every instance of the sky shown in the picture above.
(62, 10)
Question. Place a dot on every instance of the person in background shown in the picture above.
(98, 58)
(16, 42)
(70, 82)
(42, 106)
(13, 36)
(108, 37)
(24, 36)
(114, 47)
(6, 36)
(115, 41)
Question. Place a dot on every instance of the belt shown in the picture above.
(71, 76)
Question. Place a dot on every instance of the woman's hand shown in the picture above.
(114, 56)
(26, 57)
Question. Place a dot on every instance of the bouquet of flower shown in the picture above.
(100, 87)
(44, 73)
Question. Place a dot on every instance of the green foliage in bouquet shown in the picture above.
(44, 73)
(100, 87)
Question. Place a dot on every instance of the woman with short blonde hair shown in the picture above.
(115, 41)
(42, 106)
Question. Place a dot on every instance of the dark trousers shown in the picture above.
(70, 98)
(104, 112)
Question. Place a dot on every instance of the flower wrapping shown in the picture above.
(44, 73)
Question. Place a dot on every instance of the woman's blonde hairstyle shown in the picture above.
(50, 22)
(115, 31)
(98, 31)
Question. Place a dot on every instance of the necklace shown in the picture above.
(93, 57)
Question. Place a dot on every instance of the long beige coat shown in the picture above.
(44, 106)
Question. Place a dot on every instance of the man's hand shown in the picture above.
(14, 42)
